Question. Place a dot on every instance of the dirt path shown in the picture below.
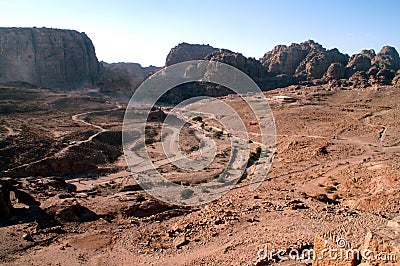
(77, 143)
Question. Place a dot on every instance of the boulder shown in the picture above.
(144, 207)
(385, 243)
(5, 202)
(67, 210)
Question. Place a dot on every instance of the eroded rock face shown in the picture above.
(317, 63)
(307, 60)
(285, 59)
(384, 241)
(382, 77)
(68, 210)
(47, 57)
(396, 79)
(387, 58)
(5, 202)
(123, 76)
(335, 71)
(186, 52)
(250, 66)
(360, 79)
(360, 62)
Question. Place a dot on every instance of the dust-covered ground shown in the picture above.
(336, 169)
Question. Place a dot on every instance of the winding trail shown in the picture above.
(60, 153)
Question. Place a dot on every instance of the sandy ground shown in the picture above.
(344, 143)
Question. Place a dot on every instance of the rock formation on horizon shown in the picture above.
(186, 52)
(54, 58)
(124, 77)
(66, 59)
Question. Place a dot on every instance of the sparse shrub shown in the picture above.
(197, 119)
(220, 179)
(321, 185)
(330, 189)
(187, 193)
(303, 193)
(204, 190)
(218, 134)
(336, 197)
(335, 183)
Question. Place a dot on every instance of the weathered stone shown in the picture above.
(250, 66)
(383, 77)
(385, 243)
(123, 77)
(327, 242)
(47, 57)
(359, 62)
(186, 52)
(360, 80)
(387, 58)
(68, 210)
(317, 62)
(180, 241)
(335, 71)
(285, 60)
(5, 202)
(396, 79)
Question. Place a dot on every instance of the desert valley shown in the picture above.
(67, 196)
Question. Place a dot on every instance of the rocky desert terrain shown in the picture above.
(67, 196)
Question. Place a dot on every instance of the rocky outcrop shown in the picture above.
(5, 202)
(387, 58)
(383, 243)
(367, 68)
(396, 79)
(317, 62)
(47, 57)
(285, 60)
(360, 79)
(125, 77)
(360, 62)
(67, 210)
(335, 71)
(382, 77)
(307, 60)
(186, 52)
(250, 66)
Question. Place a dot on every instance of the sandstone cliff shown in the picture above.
(47, 57)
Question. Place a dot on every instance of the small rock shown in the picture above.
(180, 241)
(27, 237)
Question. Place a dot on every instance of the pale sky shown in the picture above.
(145, 31)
